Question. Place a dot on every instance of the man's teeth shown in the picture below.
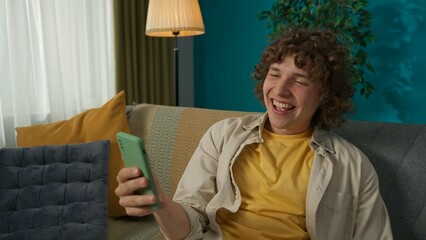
(282, 106)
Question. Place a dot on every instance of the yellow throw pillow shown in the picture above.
(91, 125)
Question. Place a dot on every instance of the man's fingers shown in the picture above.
(130, 186)
(129, 181)
(138, 205)
(138, 212)
(137, 200)
(128, 173)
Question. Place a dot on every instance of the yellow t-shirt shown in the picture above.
(273, 179)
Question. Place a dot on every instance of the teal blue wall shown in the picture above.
(399, 56)
(225, 57)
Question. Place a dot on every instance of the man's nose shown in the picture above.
(284, 86)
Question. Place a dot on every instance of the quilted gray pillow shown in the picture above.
(54, 192)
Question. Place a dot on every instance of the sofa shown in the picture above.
(397, 151)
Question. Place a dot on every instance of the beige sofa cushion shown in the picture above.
(171, 135)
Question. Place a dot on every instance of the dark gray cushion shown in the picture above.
(54, 192)
(398, 153)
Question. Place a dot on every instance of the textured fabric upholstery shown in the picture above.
(54, 192)
(397, 151)
(171, 135)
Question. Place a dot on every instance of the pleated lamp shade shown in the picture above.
(171, 18)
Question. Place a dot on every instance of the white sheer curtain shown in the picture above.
(56, 60)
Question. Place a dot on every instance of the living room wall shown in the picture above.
(225, 56)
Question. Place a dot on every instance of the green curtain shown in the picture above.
(144, 65)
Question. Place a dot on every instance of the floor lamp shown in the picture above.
(174, 18)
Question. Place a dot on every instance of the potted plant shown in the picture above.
(350, 19)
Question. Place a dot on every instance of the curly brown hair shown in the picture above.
(329, 65)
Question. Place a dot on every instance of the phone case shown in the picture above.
(134, 155)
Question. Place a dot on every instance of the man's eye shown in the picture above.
(302, 82)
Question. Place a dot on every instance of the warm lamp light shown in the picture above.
(165, 17)
(174, 18)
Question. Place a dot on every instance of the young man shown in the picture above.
(281, 175)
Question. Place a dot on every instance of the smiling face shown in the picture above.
(291, 98)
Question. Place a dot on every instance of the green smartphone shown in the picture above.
(133, 154)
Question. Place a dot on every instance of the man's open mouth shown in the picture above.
(282, 106)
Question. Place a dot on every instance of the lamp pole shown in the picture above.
(176, 63)
(186, 21)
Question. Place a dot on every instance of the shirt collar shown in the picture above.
(320, 137)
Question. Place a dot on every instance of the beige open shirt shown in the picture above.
(343, 199)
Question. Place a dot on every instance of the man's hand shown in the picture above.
(130, 180)
(171, 216)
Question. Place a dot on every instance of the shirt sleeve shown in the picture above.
(198, 183)
(372, 220)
